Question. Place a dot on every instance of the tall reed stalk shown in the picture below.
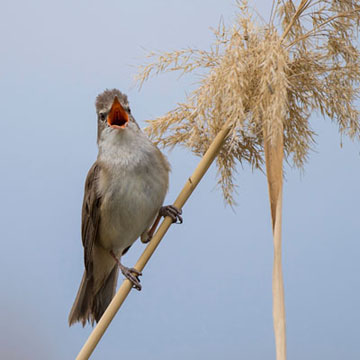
(267, 80)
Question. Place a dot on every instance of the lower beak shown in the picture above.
(117, 118)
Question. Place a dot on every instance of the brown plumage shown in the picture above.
(124, 191)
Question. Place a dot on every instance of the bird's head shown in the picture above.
(113, 112)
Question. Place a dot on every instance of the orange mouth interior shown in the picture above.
(118, 117)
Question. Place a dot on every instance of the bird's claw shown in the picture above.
(173, 212)
(132, 275)
(169, 210)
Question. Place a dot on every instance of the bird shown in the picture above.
(123, 196)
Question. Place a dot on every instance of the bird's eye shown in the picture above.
(128, 110)
(102, 116)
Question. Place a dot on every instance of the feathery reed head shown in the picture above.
(270, 75)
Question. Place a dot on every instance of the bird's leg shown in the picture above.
(169, 210)
(147, 236)
(130, 273)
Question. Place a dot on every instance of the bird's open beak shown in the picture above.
(118, 117)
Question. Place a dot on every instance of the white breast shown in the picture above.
(133, 183)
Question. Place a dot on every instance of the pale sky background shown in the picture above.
(207, 291)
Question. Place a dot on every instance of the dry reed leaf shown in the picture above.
(274, 75)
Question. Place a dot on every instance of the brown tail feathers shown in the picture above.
(89, 306)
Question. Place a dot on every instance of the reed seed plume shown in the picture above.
(266, 75)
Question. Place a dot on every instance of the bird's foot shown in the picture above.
(133, 275)
(169, 210)
(130, 273)
(173, 212)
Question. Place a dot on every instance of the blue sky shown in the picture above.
(207, 290)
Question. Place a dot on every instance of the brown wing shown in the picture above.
(90, 215)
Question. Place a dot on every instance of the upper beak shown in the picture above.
(117, 118)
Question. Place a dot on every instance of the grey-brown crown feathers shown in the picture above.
(106, 98)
